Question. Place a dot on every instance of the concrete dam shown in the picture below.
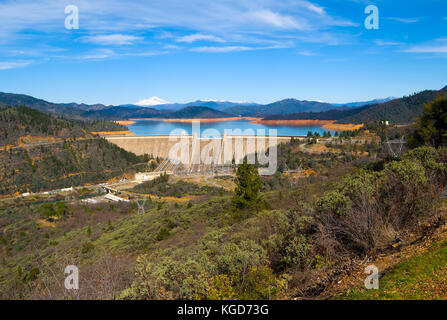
(190, 149)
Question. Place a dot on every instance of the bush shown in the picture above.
(162, 234)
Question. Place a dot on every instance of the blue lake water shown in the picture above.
(247, 127)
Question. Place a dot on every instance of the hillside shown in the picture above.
(286, 106)
(197, 113)
(18, 123)
(73, 109)
(403, 110)
(39, 152)
(419, 274)
(363, 103)
(334, 114)
(122, 112)
(216, 105)
(204, 249)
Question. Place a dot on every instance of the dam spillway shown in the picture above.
(220, 150)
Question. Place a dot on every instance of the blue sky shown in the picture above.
(257, 51)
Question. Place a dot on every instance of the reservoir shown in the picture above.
(152, 127)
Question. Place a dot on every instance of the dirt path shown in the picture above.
(409, 247)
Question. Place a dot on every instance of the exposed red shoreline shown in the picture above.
(198, 119)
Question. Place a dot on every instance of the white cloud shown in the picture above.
(221, 49)
(171, 47)
(199, 37)
(112, 39)
(404, 20)
(5, 65)
(307, 53)
(277, 20)
(312, 7)
(427, 49)
(152, 101)
(122, 23)
(438, 46)
(387, 43)
(203, 16)
(98, 54)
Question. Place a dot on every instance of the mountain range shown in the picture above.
(400, 110)
(403, 110)
(286, 106)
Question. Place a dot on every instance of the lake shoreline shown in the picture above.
(165, 126)
(326, 124)
(188, 120)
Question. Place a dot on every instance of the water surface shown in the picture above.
(166, 128)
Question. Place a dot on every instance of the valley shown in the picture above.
(121, 207)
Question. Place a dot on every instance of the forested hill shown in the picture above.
(40, 152)
(197, 113)
(286, 106)
(335, 114)
(403, 110)
(72, 109)
(17, 123)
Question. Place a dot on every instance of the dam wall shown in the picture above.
(190, 149)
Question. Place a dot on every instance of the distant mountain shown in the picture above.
(403, 110)
(74, 109)
(196, 113)
(124, 112)
(286, 106)
(213, 104)
(363, 103)
(334, 114)
(152, 101)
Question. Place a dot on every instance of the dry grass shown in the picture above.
(342, 127)
(114, 133)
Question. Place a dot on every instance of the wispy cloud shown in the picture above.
(428, 49)
(307, 53)
(112, 39)
(171, 47)
(387, 43)
(199, 37)
(98, 55)
(439, 46)
(405, 20)
(6, 65)
(222, 49)
(221, 19)
(277, 20)
(313, 7)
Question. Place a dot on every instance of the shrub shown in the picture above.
(162, 234)
(248, 185)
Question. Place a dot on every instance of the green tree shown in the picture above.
(248, 184)
(431, 127)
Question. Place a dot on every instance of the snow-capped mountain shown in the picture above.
(152, 101)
